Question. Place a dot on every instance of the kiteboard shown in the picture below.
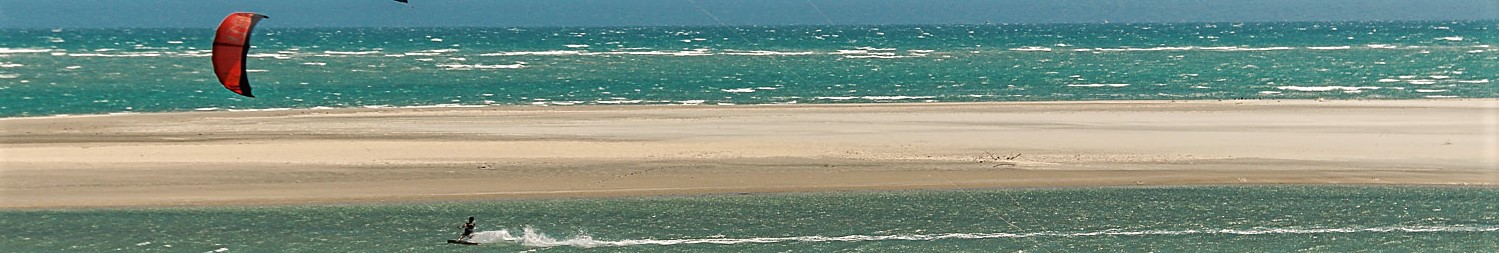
(462, 242)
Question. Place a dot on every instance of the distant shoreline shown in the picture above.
(385, 155)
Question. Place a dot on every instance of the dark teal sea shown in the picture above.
(97, 71)
(1145, 219)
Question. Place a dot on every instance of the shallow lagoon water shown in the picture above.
(1175, 219)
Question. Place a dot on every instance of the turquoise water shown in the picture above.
(1169, 219)
(100, 71)
(96, 71)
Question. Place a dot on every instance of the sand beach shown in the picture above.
(371, 155)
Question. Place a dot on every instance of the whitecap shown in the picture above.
(739, 90)
(877, 56)
(614, 102)
(576, 46)
(539, 53)
(1474, 81)
(1430, 91)
(1099, 85)
(767, 53)
(1250, 49)
(1032, 49)
(350, 52)
(10, 65)
(259, 110)
(1330, 48)
(264, 55)
(1453, 38)
(132, 54)
(10, 76)
(1422, 82)
(481, 66)
(695, 52)
(1148, 49)
(878, 97)
(1326, 88)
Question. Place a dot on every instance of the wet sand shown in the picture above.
(513, 152)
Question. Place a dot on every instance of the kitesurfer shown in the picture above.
(468, 230)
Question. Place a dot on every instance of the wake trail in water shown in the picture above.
(531, 237)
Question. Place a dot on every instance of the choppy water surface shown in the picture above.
(1172, 219)
(92, 71)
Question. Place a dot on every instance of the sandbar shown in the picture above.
(378, 155)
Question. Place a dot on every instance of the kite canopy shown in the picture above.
(230, 45)
(402, 1)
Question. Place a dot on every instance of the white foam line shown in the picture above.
(6, 50)
(768, 53)
(1099, 85)
(554, 52)
(876, 97)
(531, 237)
(350, 52)
(143, 54)
(481, 66)
(1326, 88)
(1032, 49)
